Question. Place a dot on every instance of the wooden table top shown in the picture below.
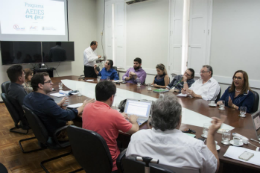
(243, 126)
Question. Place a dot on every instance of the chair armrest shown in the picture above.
(119, 161)
(56, 132)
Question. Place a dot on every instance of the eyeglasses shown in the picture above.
(237, 78)
(49, 81)
(187, 73)
(203, 71)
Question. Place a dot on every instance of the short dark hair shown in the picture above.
(104, 90)
(139, 60)
(166, 112)
(93, 43)
(192, 71)
(14, 72)
(110, 63)
(209, 69)
(38, 78)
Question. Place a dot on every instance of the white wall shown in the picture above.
(147, 26)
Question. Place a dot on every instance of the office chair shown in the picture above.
(90, 150)
(3, 168)
(16, 113)
(5, 86)
(43, 137)
(256, 103)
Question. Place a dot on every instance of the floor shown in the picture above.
(17, 162)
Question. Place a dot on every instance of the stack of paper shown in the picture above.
(74, 105)
(57, 95)
(182, 95)
(234, 153)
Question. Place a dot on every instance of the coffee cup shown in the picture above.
(236, 140)
(212, 102)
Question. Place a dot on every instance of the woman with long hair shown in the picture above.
(27, 83)
(161, 80)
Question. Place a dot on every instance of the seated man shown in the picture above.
(206, 87)
(101, 118)
(180, 82)
(135, 72)
(50, 113)
(107, 71)
(17, 78)
(172, 147)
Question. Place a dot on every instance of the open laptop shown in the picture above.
(256, 122)
(140, 108)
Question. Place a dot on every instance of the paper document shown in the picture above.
(90, 80)
(182, 95)
(234, 152)
(57, 95)
(117, 81)
(74, 105)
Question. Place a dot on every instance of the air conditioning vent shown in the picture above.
(129, 2)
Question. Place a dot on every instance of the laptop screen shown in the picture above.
(138, 107)
(256, 121)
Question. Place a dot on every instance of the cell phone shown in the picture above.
(246, 156)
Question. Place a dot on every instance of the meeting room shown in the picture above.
(129, 86)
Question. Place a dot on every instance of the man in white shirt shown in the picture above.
(206, 87)
(90, 58)
(172, 147)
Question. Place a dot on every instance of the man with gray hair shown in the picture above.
(206, 87)
(172, 147)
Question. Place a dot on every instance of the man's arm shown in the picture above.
(135, 126)
(212, 92)
(142, 77)
(125, 76)
(115, 75)
(95, 69)
(216, 124)
(90, 56)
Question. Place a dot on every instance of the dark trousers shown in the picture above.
(89, 72)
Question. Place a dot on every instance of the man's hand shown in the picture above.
(125, 115)
(183, 91)
(184, 78)
(216, 124)
(95, 66)
(190, 92)
(99, 56)
(133, 119)
(63, 101)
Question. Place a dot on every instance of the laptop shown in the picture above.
(256, 122)
(140, 108)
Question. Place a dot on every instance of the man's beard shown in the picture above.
(136, 68)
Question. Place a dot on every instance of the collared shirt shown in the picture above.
(178, 84)
(51, 115)
(172, 148)
(89, 57)
(17, 92)
(107, 122)
(246, 99)
(112, 73)
(141, 74)
(208, 90)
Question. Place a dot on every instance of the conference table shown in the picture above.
(243, 126)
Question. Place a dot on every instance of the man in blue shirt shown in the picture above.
(107, 71)
(50, 113)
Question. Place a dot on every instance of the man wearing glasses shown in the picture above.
(206, 87)
(50, 113)
(180, 82)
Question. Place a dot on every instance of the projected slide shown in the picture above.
(32, 17)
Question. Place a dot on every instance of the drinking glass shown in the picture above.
(108, 78)
(161, 95)
(138, 82)
(226, 137)
(222, 105)
(60, 85)
(149, 87)
(98, 78)
(242, 111)
(205, 129)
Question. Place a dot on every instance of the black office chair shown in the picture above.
(16, 113)
(90, 150)
(218, 97)
(5, 86)
(3, 168)
(256, 103)
(43, 137)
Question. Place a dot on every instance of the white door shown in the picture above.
(199, 34)
(108, 30)
(175, 41)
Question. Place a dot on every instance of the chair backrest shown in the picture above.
(130, 164)
(3, 168)
(14, 114)
(218, 97)
(5, 86)
(90, 150)
(37, 126)
(256, 103)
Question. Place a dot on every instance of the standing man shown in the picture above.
(90, 58)
(135, 72)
